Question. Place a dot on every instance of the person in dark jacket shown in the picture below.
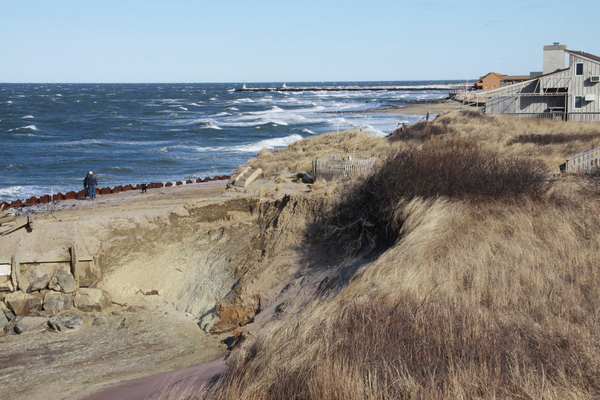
(90, 182)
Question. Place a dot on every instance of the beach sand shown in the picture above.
(137, 336)
(434, 107)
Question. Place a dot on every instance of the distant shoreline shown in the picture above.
(416, 108)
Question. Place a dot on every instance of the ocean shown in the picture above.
(51, 135)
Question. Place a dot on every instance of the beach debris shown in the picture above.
(247, 176)
(304, 177)
(12, 223)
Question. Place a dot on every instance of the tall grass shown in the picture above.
(367, 212)
(488, 288)
(480, 301)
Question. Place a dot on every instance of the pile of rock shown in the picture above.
(45, 300)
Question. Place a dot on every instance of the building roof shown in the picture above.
(505, 77)
(515, 77)
(584, 54)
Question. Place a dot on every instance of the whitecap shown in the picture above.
(28, 117)
(212, 125)
(30, 127)
(268, 143)
(19, 192)
(183, 108)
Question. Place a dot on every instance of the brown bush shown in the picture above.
(454, 169)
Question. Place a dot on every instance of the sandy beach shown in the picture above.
(139, 335)
(434, 107)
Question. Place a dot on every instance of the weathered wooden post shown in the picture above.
(15, 272)
(74, 264)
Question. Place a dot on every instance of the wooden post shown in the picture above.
(74, 264)
(15, 272)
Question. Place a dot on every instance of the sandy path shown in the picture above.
(167, 385)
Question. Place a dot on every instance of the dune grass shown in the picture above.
(488, 287)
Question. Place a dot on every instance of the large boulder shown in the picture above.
(63, 281)
(56, 302)
(31, 324)
(22, 304)
(89, 299)
(36, 277)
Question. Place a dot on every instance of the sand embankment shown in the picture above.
(167, 258)
(136, 238)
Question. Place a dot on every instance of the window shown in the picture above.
(578, 101)
(579, 69)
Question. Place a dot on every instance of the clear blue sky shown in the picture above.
(284, 41)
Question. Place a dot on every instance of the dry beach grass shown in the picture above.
(476, 295)
(460, 269)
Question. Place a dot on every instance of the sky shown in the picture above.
(193, 41)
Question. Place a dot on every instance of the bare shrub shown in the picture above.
(454, 169)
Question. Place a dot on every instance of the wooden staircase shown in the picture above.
(247, 176)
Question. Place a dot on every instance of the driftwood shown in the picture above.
(13, 223)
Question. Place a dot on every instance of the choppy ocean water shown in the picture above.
(51, 135)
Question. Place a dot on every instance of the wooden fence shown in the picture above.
(342, 165)
(84, 269)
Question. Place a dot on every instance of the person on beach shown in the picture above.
(90, 182)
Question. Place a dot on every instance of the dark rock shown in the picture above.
(72, 321)
(63, 281)
(53, 326)
(304, 177)
(124, 324)
(56, 302)
(99, 321)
